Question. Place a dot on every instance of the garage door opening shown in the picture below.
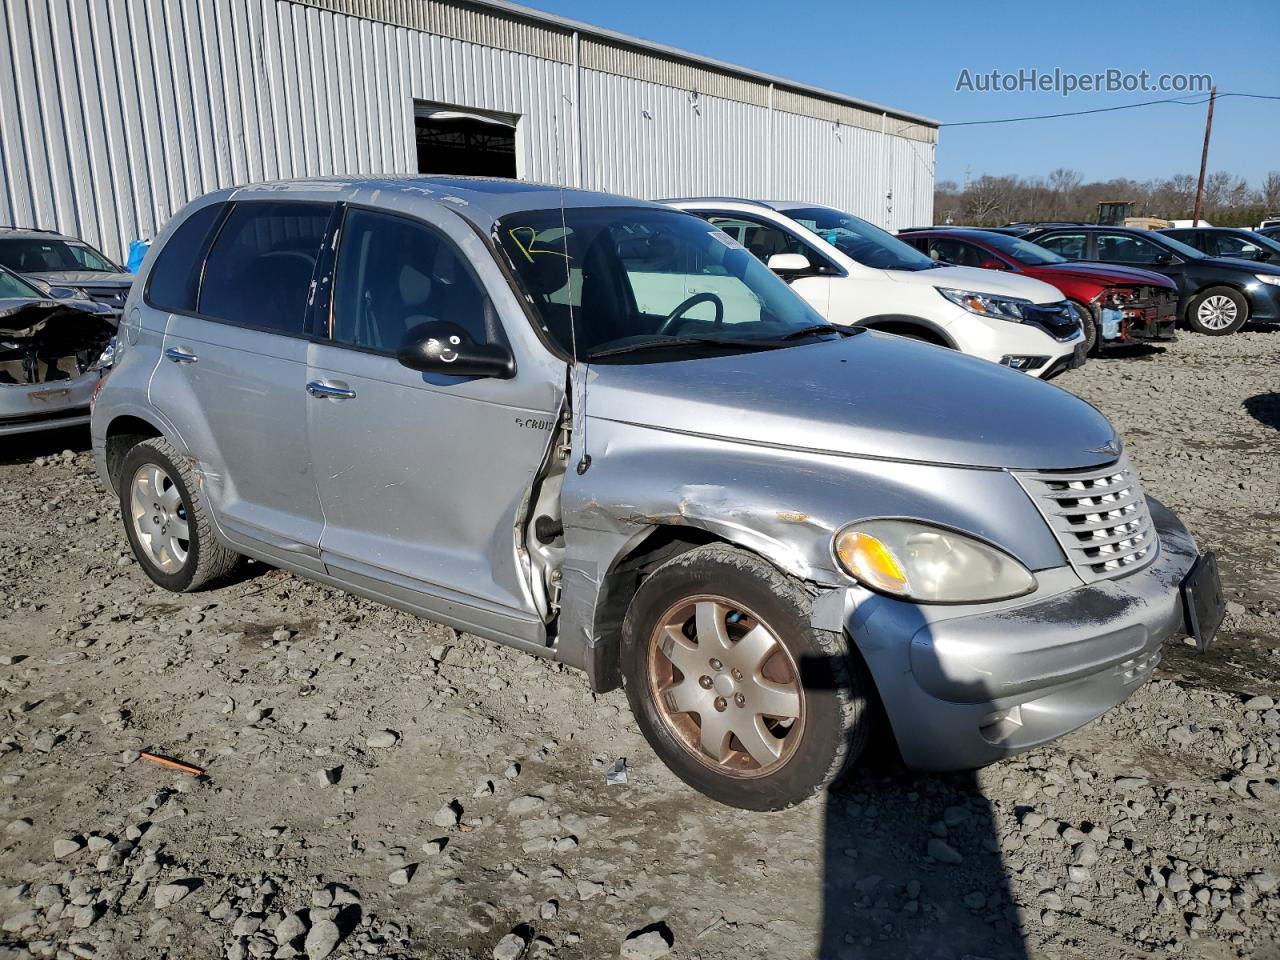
(468, 142)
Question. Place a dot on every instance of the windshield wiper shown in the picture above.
(662, 343)
(818, 328)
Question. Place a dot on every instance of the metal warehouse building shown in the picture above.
(115, 113)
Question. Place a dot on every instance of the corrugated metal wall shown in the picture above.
(114, 113)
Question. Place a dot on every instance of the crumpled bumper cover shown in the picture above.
(966, 691)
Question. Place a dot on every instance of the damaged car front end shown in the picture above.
(52, 355)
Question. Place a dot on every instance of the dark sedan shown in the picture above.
(1219, 294)
(1228, 242)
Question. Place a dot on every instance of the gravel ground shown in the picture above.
(380, 786)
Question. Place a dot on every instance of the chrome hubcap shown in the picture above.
(159, 518)
(1217, 312)
(726, 686)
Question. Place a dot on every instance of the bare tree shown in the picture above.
(1271, 192)
(1063, 184)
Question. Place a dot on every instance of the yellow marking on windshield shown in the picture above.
(526, 249)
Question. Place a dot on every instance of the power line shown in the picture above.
(1181, 101)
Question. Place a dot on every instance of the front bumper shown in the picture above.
(28, 407)
(968, 689)
(1264, 302)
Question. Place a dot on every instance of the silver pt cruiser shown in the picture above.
(599, 430)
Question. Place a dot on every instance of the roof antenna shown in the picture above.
(576, 375)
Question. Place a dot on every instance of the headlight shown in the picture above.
(107, 358)
(918, 561)
(987, 304)
(1269, 278)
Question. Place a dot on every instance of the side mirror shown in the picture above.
(442, 347)
(789, 263)
(1164, 259)
(993, 264)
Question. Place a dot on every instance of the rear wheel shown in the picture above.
(1218, 311)
(733, 687)
(166, 521)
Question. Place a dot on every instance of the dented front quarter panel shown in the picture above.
(783, 504)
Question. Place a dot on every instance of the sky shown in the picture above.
(910, 55)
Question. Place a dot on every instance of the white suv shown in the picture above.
(856, 273)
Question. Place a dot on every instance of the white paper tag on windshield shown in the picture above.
(727, 240)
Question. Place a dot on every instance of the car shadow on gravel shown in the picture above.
(1265, 408)
(913, 864)
(25, 447)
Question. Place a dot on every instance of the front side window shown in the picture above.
(394, 274)
(258, 273)
(615, 278)
(1227, 245)
(1122, 248)
(1069, 246)
(46, 255)
(859, 240)
(957, 252)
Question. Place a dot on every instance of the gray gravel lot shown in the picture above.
(381, 786)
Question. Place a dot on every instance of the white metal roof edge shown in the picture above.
(588, 29)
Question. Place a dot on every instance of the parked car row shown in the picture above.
(602, 431)
(1223, 277)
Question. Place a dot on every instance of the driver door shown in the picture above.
(421, 477)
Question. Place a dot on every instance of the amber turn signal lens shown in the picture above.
(871, 562)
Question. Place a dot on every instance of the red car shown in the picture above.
(1117, 305)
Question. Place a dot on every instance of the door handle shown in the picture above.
(326, 391)
(179, 355)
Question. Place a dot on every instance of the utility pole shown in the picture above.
(1204, 158)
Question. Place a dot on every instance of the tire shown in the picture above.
(1090, 326)
(158, 498)
(1217, 311)
(801, 670)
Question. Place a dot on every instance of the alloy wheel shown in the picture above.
(1217, 312)
(159, 518)
(726, 686)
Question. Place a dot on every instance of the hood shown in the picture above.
(1104, 273)
(84, 278)
(1000, 282)
(870, 395)
(1250, 266)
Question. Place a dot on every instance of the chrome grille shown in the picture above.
(1099, 516)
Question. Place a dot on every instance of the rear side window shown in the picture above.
(259, 269)
(176, 275)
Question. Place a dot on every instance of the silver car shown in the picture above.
(601, 431)
(53, 354)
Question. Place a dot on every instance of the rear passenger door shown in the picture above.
(232, 377)
(422, 477)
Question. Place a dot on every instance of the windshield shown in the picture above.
(47, 254)
(860, 241)
(1026, 253)
(11, 285)
(639, 278)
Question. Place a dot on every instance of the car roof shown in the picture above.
(26, 233)
(977, 233)
(482, 200)
(779, 206)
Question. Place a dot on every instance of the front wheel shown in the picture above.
(734, 688)
(1088, 325)
(1218, 311)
